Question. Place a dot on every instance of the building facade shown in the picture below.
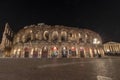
(7, 41)
(57, 41)
(112, 48)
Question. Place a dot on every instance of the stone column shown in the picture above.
(59, 36)
(50, 36)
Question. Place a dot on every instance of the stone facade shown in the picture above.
(112, 48)
(7, 41)
(47, 41)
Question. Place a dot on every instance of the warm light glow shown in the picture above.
(95, 51)
(108, 50)
(30, 31)
(81, 48)
(64, 48)
(35, 49)
(45, 48)
(73, 48)
(96, 41)
(86, 35)
(14, 51)
(55, 48)
(18, 49)
(32, 51)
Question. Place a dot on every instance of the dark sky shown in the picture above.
(102, 16)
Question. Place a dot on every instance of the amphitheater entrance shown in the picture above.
(44, 52)
(26, 54)
(54, 52)
(72, 52)
(82, 55)
(93, 53)
(87, 50)
(35, 53)
(64, 52)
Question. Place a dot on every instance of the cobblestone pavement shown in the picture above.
(107, 68)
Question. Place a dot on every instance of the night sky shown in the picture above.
(101, 16)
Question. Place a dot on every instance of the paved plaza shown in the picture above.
(107, 68)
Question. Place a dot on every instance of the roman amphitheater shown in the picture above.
(52, 41)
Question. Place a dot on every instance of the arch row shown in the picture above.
(55, 35)
(55, 51)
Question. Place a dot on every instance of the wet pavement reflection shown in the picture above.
(60, 69)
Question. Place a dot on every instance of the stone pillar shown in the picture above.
(59, 36)
(50, 37)
(49, 51)
(91, 53)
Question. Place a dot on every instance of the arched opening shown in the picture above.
(87, 37)
(54, 51)
(64, 52)
(23, 38)
(26, 54)
(80, 36)
(82, 52)
(19, 54)
(28, 38)
(70, 35)
(17, 39)
(46, 35)
(55, 36)
(87, 50)
(44, 52)
(72, 51)
(63, 36)
(35, 53)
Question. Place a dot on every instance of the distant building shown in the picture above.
(7, 41)
(112, 48)
(46, 41)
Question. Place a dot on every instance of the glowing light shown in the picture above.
(32, 51)
(55, 48)
(64, 48)
(18, 49)
(108, 50)
(14, 51)
(96, 41)
(73, 48)
(45, 48)
(30, 31)
(35, 48)
(81, 48)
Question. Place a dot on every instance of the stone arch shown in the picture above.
(23, 37)
(46, 35)
(55, 36)
(26, 52)
(72, 51)
(39, 35)
(28, 37)
(35, 52)
(70, 35)
(81, 51)
(81, 36)
(54, 51)
(64, 51)
(44, 53)
(87, 37)
(63, 36)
